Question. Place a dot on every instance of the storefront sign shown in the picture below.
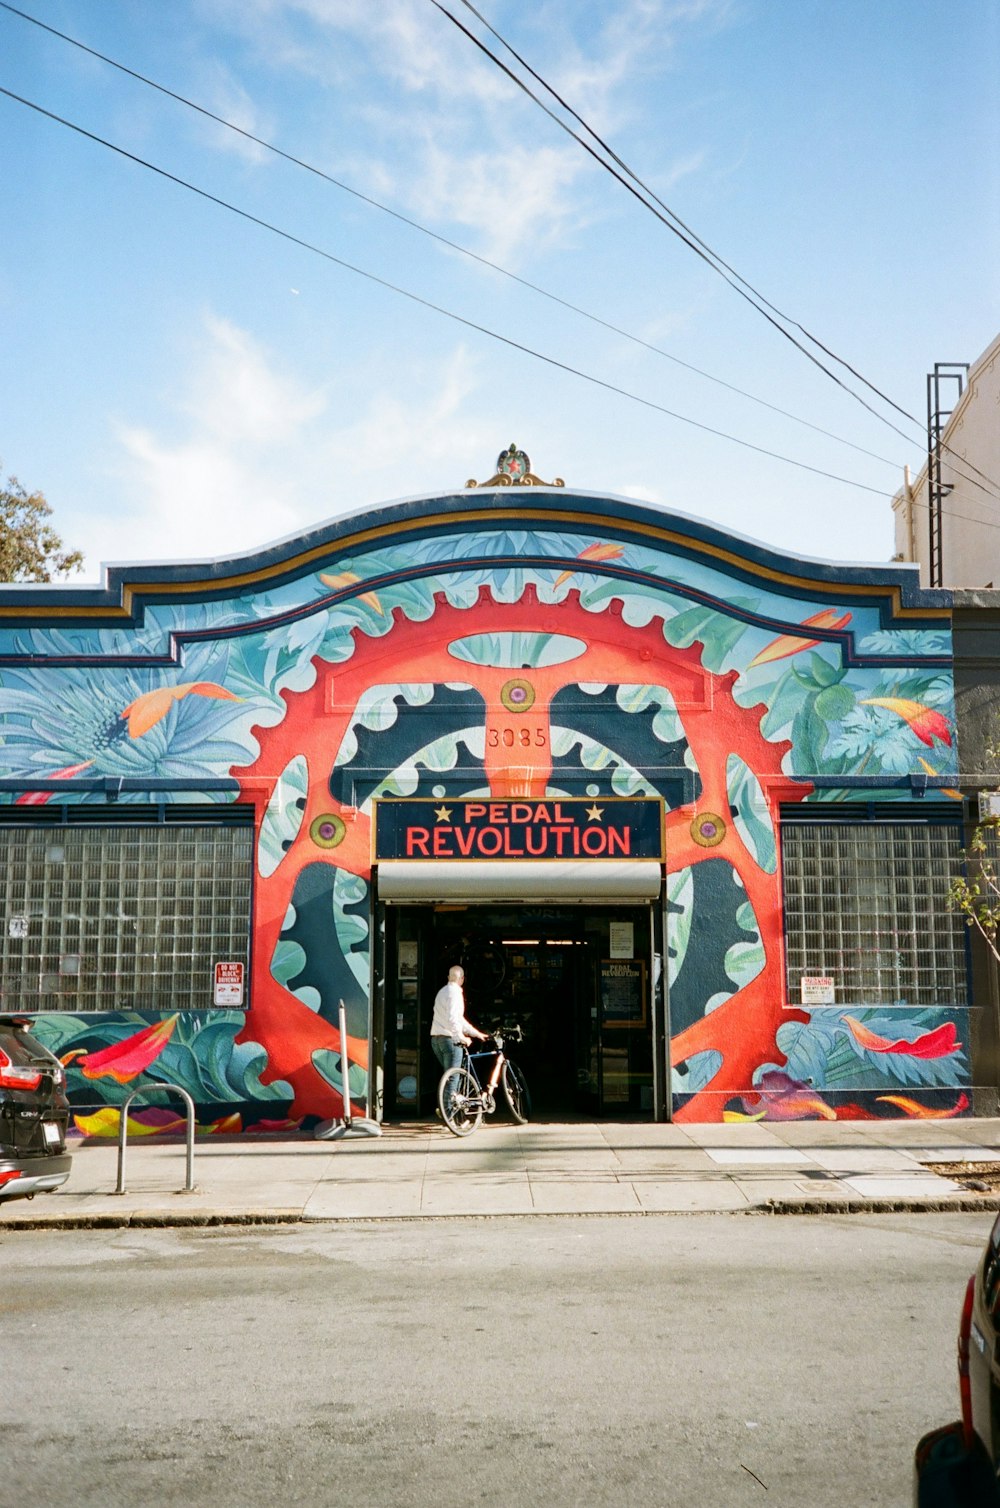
(818, 989)
(577, 828)
(228, 984)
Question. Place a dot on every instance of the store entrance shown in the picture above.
(578, 980)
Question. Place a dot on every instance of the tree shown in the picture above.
(976, 895)
(30, 549)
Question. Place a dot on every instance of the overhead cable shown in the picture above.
(346, 188)
(677, 226)
(428, 303)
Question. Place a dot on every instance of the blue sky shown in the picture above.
(183, 384)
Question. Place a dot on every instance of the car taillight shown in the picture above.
(14, 1173)
(17, 1076)
(964, 1380)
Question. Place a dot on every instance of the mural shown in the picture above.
(462, 647)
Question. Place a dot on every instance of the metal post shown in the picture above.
(350, 1125)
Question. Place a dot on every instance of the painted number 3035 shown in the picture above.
(515, 738)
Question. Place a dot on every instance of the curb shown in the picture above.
(152, 1219)
(167, 1219)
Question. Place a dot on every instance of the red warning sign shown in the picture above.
(228, 984)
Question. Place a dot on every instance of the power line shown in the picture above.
(427, 303)
(442, 240)
(676, 229)
(677, 226)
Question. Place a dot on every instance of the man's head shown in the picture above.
(456, 975)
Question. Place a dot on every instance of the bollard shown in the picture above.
(357, 1125)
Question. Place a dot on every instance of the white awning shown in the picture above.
(519, 880)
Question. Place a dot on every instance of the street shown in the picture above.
(693, 1360)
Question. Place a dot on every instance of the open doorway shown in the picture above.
(578, 980)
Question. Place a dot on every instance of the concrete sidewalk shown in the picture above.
(593, 1168)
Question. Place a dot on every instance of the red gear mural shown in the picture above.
(742, 1029)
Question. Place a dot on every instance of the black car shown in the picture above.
(34, 1114)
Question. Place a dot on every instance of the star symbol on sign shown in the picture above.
(443, 813)
(595, 812)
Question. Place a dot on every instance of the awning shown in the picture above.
(569, 881)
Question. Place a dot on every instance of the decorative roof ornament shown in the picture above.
(514, 470)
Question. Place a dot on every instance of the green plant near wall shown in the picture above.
(975, 894)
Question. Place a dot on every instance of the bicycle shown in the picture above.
(464, 1099)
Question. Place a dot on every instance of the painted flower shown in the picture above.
(940, 1043)
(925, 722)
(785, 1099)
(790, 644)
(113, 722)
(124, 1061)
(593, 552)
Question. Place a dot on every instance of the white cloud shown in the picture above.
(256, 454)
(229, 481)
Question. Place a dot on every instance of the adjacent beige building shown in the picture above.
(967, 472)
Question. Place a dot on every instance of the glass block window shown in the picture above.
(865, 904)
(119, 916)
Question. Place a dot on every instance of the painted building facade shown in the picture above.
(680, 805)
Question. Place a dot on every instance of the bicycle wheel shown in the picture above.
(459, 1101)
(516, 1090)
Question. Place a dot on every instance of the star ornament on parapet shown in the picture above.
(443, 813)
(595, 812)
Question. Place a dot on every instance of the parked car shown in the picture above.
(34, 1114)
(957, 1466)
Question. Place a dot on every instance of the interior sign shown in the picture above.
(570, 828)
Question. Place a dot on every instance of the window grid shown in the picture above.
(118, 917)
(866, 905)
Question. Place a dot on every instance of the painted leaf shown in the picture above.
(348, 578)
(791, 644)
(935, 1044)
(925, 722)
(124, 1061)
(592, 552)
(924, 1112)
(152, 706)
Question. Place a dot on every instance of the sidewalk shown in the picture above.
(582, 1168)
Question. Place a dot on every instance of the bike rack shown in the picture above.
(123, 1131)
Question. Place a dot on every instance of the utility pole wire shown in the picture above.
(675, 224)
(442, 240)
(427, 303)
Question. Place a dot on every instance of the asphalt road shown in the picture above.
(702, 1361)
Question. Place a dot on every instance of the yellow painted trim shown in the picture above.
(590, 523)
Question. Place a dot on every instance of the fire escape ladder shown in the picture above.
(945, 372)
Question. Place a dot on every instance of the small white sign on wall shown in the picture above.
(17, 926)
(621, 940)
(818, 989)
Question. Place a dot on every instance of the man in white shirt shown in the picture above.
(450, 1031)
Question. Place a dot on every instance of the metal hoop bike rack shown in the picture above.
(123, 1131)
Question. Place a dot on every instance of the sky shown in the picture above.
(183, 383)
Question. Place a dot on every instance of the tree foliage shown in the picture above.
(975, 894)
(30, 549)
